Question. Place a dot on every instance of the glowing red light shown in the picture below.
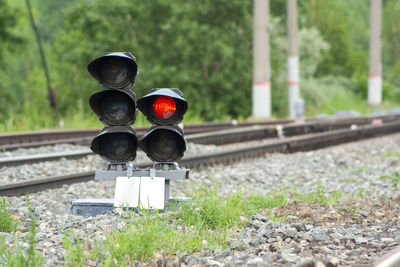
(164, 107)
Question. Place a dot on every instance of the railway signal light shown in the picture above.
(164, 108)
(115, 106)
(117, 143)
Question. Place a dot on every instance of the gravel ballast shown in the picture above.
(12, 174)
(353, 232)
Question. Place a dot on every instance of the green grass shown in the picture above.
(7, 223)
(206, 222)
(18, 255)
(394, 178)
(391, 154)
(320, 196)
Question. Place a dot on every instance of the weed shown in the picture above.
(18, 255)
(351, 209)
(7, 223)
(394, 178)
(208, 210)
(319, 196)
(204, 223)
(391, 154)
(361, 193)
(75, 251)
(359, 170)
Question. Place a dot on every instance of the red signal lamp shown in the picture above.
(164, 107)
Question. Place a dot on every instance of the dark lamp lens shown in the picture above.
(164, 107)
(165, 146)
(115, 72)
(117, 146)
(115, 107)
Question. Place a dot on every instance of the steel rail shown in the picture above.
(11, 141)
(50, 137)
(287, 145)
(20, 160)
(220, 137)
(390, 259)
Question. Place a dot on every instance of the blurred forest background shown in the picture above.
(202, 47)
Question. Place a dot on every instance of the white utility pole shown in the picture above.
(293, 61)
(375, 65)
(261, 94)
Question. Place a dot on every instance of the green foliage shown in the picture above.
(8, 21)
(205, 49)
(334, 29)
(204, 223)
(159, 36)
(391, 40)
(7, 223)
(259, 202)
(18, 255)
(320, 196)
(143, 237)
(394, 178)
(391, 154)
(329, 94)
(74, 254)
(208, 210)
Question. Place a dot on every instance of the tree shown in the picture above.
(8, 40)
(202, 48)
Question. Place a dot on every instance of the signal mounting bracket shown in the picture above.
(168, 170)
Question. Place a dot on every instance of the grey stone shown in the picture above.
(224, 253)
(299, 226)
(306, 263)
(261, 218)
(257, 241)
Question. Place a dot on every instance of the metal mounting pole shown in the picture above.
(293, 60)
(261, 91)
(375, 65)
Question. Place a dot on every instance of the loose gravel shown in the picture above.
(350, 233)
(12, 174)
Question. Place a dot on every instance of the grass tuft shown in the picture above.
(18, 255)
(394, 178)
(204, 223)
(7, 223)
(319, 196)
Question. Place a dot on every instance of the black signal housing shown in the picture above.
(116, 144)
(116, 70)
(145, 105)
(115, 106)
(165, 108)
(163, 143)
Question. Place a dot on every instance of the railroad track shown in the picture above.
(51, 137)
(286, 145)
(225, 136)
(391, 259)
